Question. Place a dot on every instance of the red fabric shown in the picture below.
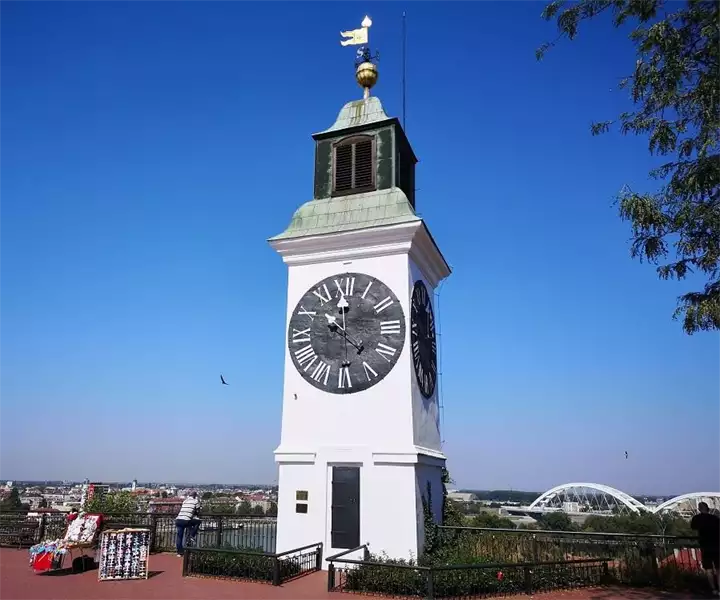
(44, 561)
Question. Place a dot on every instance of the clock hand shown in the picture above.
(342, 305)
(334, 325)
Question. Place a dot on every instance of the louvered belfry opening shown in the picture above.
(354, 165)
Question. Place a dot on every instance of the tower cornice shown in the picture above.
(411, 238)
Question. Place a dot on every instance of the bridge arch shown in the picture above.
(689, 502)
(626, 500)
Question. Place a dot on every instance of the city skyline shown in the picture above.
(146, 161)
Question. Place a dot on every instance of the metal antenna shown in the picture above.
(404, 52)
(441, 402)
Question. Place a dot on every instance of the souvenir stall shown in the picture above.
(124, 554)
(81, 536)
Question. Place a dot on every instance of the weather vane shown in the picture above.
(366, 72)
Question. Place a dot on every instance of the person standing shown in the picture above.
(188, 519)
(708, 528)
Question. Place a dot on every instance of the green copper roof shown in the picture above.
(347, 213)
(357, 113)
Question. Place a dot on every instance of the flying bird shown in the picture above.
(626, 454)
(222, 380)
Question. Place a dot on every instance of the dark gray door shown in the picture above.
(345, 525)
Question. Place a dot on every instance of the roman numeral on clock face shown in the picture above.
(321, 372)
(383, 304)
(367, 289)
(344, 378)
(309, 313)
(300, 336)
(306, 356)
(387, 352)
(390, 327)
(369, 371)
(345, 286)
(323, 293)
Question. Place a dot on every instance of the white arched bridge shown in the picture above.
(598, 499)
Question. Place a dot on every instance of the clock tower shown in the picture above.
(360, 453)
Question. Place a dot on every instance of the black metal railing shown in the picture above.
(365, 576)
(475, 562)
(520, 545)
(216, 531)
(252, 565)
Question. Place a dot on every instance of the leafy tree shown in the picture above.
(272, 510)
(640, 524)
(257, 510)
(219, 508)
(43, 503)
(451, 516)
(491, 520)
(12, 502)
(112, 503)
(677, 105)
(207, 495)
(243, 508)
(557, 521)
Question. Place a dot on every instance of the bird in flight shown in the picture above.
(626, 454)
(222, 380)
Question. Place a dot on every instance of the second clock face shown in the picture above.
(346, 333)
(424, 344)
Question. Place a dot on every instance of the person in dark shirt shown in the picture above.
(708, 528)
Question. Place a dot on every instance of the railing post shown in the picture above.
(429, 590)
(186, 555)
(276, 571)
(153, 535)
(535, 549)
(366, 554)
(219, 533)
(528, 580)
(331, 577)
(318, 557)
(650, 549)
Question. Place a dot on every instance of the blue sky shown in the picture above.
(149, 149)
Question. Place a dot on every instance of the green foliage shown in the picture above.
(246, 564)
(272, 510)
(12, 502)
(207, 495)
(257, 510)
(675, 91)
(244, 508)
(393, 577)
(431, 531)
(644, 523)
(382, 578)
(218, 508)
(492, 520)
(557, 521)
(451, 515)
(112, 503)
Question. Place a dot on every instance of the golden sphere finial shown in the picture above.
(366, 75)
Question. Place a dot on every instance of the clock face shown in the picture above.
(422, 337)
(346, 333)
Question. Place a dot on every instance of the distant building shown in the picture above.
(462, 496)
(165, 506)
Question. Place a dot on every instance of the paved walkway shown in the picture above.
(18, 582)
